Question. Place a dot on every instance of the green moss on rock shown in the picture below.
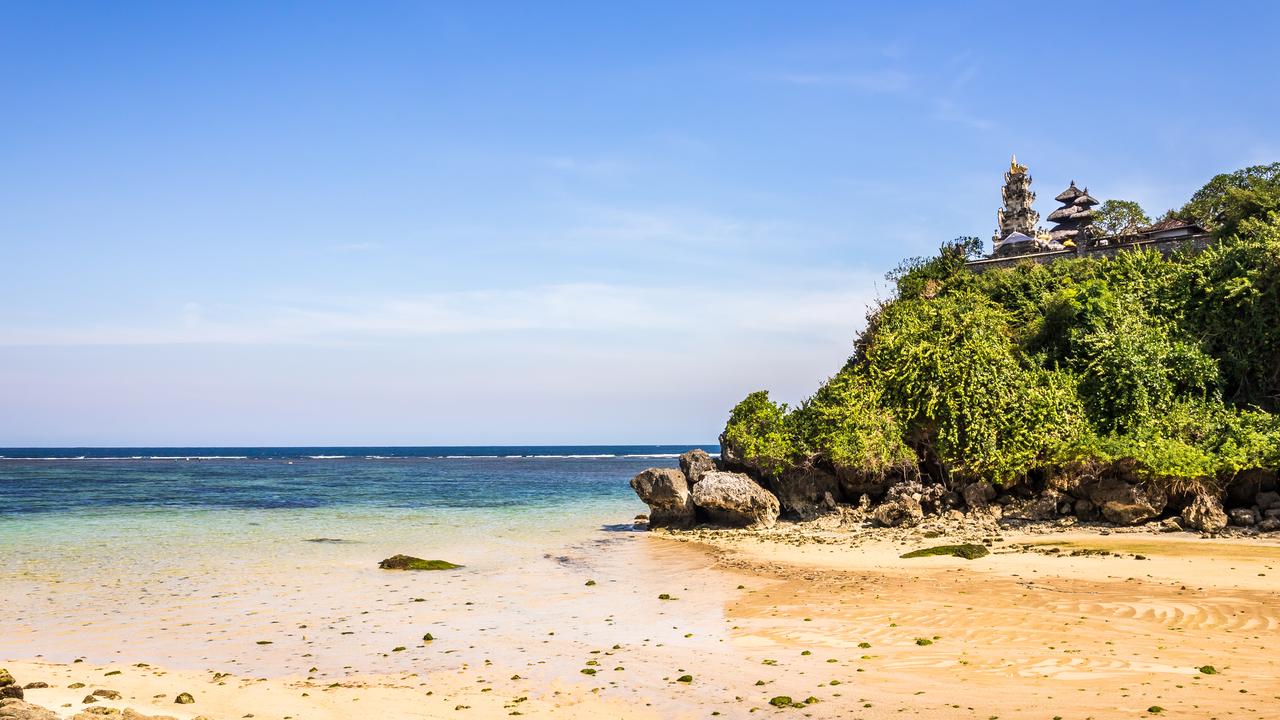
(408, 562)
(968, 551)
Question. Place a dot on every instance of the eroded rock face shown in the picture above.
(696, 463)
(854, 483)
(979, 495)
(807, 493)
(1042, 507)
(1204, 513)
(666, 492)
(902, 511)
(14, 709)
(736, 500)
(1125, 504)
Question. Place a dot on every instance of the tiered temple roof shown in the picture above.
(1075, 214)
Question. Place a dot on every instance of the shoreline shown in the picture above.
(752, 616)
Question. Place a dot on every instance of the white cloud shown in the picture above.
(594, 309)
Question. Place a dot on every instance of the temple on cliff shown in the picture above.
(1017, 232)
(1018, 235)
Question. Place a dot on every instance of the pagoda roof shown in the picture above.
(1070, 212)
(1070, 194)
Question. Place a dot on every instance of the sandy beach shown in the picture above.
(692, 624)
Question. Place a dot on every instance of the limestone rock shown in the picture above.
(898, 511)
(736, 500)
(184, 699)
(1243, 517)
(978, 495)
(1041, 507)
(108, 694)
(15, 709)
(696, 463)
(666, 492)
(35, 685)
(6, 678)
(806, 493)
(1204, 513)
(1125, 504)
(854, 482)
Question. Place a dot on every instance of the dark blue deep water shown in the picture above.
(95, 480)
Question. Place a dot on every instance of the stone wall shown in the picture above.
(1165, 247)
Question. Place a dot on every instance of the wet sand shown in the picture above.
(316, 630)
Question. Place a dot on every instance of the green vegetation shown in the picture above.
(968, 551)
(1163, 369)
(1116, 216)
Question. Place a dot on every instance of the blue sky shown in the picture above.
(435, 223)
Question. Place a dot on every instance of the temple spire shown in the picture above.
(1017, 215)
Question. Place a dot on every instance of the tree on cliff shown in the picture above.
(1115, 216)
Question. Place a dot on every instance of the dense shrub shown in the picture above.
(1167, 366)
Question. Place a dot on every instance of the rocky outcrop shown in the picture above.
(805, 494)
(696, 463)
(1125, 504)
(11, 691)
(1204, 513)
(977, 496)
(666, 492)
(14, 709)
(902, 511)
(734, 499)
(1041, 507)
(905, 504)
(856, 483)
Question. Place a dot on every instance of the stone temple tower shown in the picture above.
(1017, 215)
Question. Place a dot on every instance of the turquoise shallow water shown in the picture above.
(82, 505)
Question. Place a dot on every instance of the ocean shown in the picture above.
(568, 480)
(185, 557)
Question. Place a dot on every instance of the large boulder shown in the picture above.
(666, 492)
(11, 691)
(806, 493)
(1204, 513)
(979, 495)
(696, 463)
(1243, 517)
(736, 500)
(1125, 504)
(900, 511)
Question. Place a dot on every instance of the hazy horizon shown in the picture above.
(405, 224)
